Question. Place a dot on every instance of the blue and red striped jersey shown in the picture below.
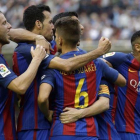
(30, 116)
(53, 45)
(77, 89)
(7, 112)
(107, 130)
(127, 118)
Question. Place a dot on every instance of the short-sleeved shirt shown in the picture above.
(7, 119)
(30, 116)
(77, 89)
(127, 118)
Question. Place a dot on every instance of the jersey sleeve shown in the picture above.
(25, 50)
(48, 76)
(109, 73)
(104, 89)
(45, 63)
(115, 58)
(6, 75)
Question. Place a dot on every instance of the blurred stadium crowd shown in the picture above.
(115, 19)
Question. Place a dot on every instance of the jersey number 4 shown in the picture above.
(80, 94)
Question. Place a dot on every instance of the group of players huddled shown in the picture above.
(76, 96)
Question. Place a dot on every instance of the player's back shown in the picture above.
(30, 116)
(77, 89)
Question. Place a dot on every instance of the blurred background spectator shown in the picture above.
(115, 19)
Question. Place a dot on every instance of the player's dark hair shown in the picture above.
(69, 30)
(33, 13)
(64, 14)
(135, 38)
(1, 12)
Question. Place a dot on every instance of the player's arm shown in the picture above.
(120, 81)
(112, 75)
(81, 60)
(58, 63)
(46, 86)
(43, 102)
(72, 114)
(102, 104)
(20, 35)
(21, 83)
(114, 59)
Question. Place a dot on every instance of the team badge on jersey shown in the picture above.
(108, 54)
(43, 77)
(4, 70)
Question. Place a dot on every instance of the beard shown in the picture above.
(4, 41)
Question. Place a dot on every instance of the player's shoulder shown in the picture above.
(72, 54)
(2, 60)
(98, 60)
(114, 54)
(23, 46)
(47, 71)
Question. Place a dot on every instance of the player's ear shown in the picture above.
(60, 41)
(137, 47)
(38, 24)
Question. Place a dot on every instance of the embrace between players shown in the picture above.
(75, 96)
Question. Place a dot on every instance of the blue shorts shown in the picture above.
(129, 136)
(33, 135)
(72, 138)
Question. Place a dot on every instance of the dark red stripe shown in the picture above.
(131, 97)
(54, 119)
(69, 98)
(35, 134)
(8, 133)
(55, 50)
(15, 64)
(17, 72)
(109, 131)
(91, 89)
(35, 104)
(19, 123)
(113, 111)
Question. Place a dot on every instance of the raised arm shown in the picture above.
(21, 35)
(21, 83)
(81, 60)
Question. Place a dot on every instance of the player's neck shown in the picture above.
(137, 56)
(66, 49)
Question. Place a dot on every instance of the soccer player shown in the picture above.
(127, 118)
(105, 120)
(77, 89)
(107, 129)
(9, 80)
(37, 19)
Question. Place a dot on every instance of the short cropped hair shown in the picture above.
(33, 13)
(69, 30)
(64, 14)
(135, 38)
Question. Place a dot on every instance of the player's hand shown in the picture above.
(40, 40)
(104, 45)
(70, 115)
(39, 52)
(49, 116)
